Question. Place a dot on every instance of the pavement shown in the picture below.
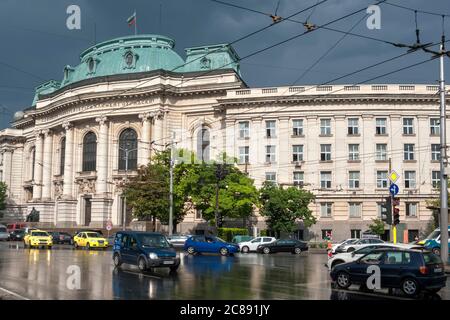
(64, 273)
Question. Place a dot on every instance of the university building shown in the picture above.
(68, 153)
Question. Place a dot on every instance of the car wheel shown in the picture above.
(117, 260)
(351, 249)
(266, 250)
(224, 251)
(245, 249)
(297, 250)
(437, 251)
(49, 247)
(343, 280)
(88, 246)
(335, 263)
(174, 268)
(409, 287)
(191, 250)
(75, 245)
(24, 245)
(142, 265)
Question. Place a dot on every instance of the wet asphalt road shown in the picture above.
(43, 274)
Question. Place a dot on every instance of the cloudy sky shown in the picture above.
(36, 44)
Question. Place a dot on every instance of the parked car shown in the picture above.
(408, 270)
(343, 243)
(252, 245)
(15, 226)
(17, 235)
(240, 238)
(61, 237)
(89, 240)
(4, 234)
(283, 245)
(209, 244)
(37, 238)
(433, 241)
(177, 240)
(144, 249)
(351, 247)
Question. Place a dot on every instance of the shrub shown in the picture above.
(228, 233)
(263, 233)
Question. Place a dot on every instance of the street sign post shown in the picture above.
(109, 226)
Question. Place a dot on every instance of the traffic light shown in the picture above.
(395, 211)
(386, 214)
(386, 210)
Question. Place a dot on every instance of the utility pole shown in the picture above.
(443, 162)
(172, 162)
(393, 226)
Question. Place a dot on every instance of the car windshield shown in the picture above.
(220, 240)
(39, 234)
(93, 235)
(434, 234)
(350, 241)
(2, 229)
(431, 258)
(153, 241)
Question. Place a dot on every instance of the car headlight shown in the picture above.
(153, 255)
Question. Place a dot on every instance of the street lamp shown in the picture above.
(124, 210)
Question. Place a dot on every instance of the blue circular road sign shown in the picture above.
(393, 189)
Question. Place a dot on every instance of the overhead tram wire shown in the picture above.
(416, 10)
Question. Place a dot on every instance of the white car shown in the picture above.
(252, 245)
(351, 246)
(343, 243)
(361, 250)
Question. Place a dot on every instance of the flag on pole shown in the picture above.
(132, 20)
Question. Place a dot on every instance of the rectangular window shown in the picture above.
(270, 154)
(327, 234)
(435, 128)
(297, 153)
(244, 129)
(299, 178)
(354, 209)
(325, 152)
(325, 179)
(435, 152)
(297, 127)
(198, 214)
(271, 177)
(325, 127)
(381, 152)
(355, 233)
(353, 152)
(408, 153)
(408, 126)
(353, 126)
(382, 179)
(270, 129)
(353, 179)
(411, 209)
(410, 179)
(244, 154)
(436, 179)
(380, 126)
(325, 209)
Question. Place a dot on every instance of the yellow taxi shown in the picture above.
(89, 240)
(37, 238)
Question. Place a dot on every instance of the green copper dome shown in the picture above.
(124, 55)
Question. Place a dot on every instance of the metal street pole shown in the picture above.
(393, 226)
(171, 185)
(443, 162)
(124, 210)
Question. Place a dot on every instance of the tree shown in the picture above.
(284, 206)
(377, 226)
(3, 190)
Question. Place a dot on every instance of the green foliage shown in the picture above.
(283, 206)
(227, 234)
(263, 233)
(377, 226)
(3, 190)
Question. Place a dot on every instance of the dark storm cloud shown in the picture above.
(36, 45)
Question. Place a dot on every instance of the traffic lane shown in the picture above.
(43, 274)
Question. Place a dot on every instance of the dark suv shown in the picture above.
(409, 270)
(145, 249)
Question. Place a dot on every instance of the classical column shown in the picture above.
(102, 156)
(7, 168)
(158, 128)
(37, 188)
(68, 161)
(144, 145)
(47, 165)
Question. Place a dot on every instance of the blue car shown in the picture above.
(144, 249)
(209, 244)
(409, 270)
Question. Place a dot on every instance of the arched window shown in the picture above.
(128, 149)
(90, 152)
(203, 144)
(62, 156)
